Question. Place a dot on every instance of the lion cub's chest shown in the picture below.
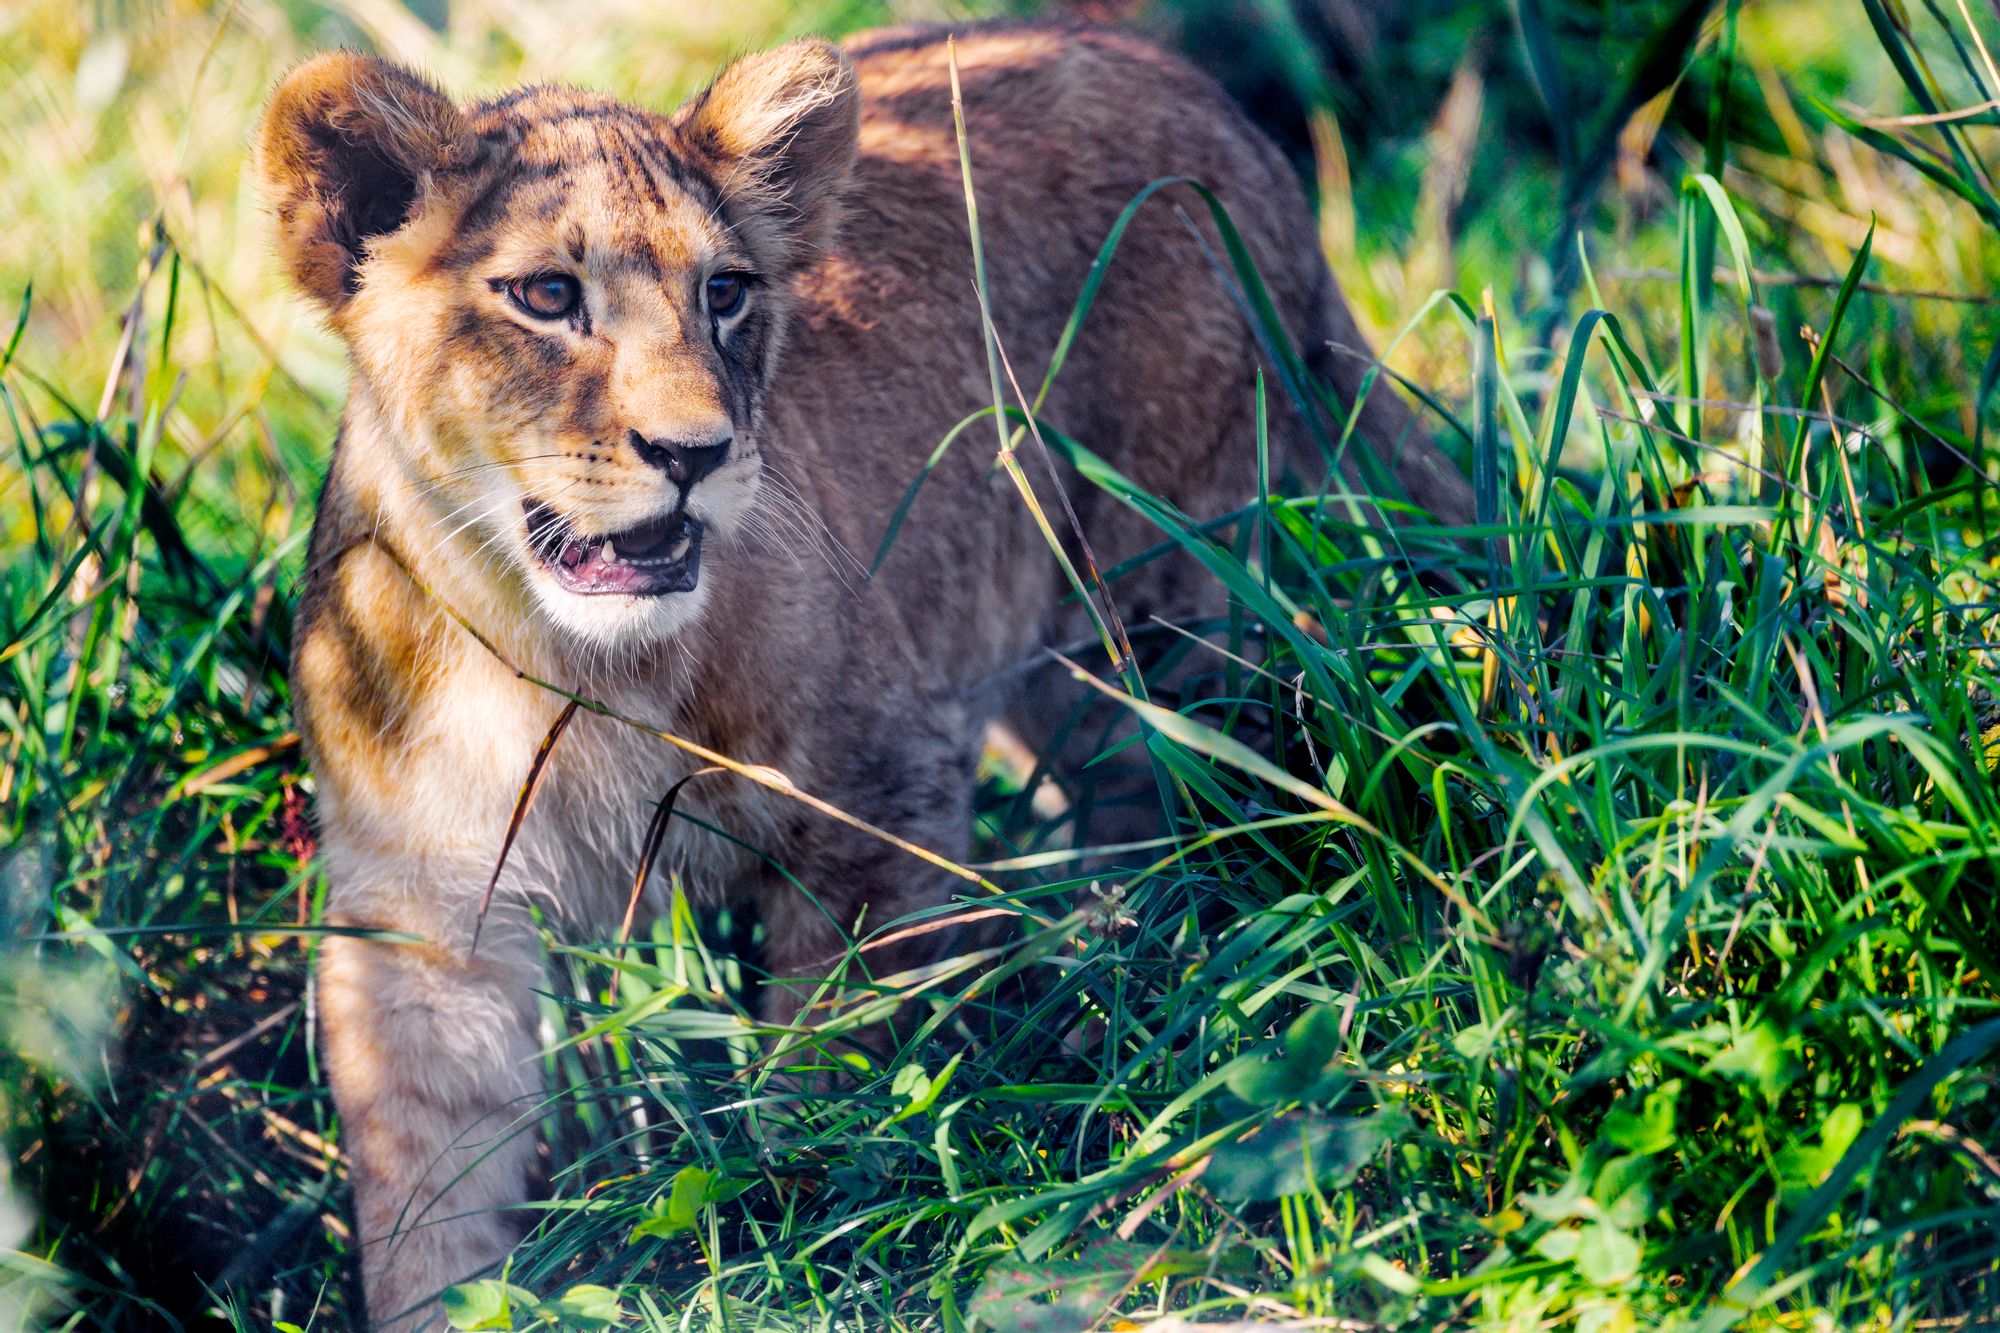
(604, 783)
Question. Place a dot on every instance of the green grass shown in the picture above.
(1586, 920)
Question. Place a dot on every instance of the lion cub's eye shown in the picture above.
(725, 294)
(547, 295)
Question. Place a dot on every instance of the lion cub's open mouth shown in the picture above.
(657, 557)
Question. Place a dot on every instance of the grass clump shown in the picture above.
(1581, 919)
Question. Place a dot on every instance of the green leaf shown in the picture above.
(1613, 1316)
(1295, 1152)
(1606, 1255)
(922, 1091)
(1570, 1202)
(1561, 1244)
(1305, 1071)
(1801, 1165)
(1758, 1056)
(1842, 1127)
(1650, 1128)
(1475, 1041)
(1624, 1190)
(487, 1303)
(694, 1189)
(585, 1305)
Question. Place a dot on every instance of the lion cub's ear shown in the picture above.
(779, 133)
(350, 149)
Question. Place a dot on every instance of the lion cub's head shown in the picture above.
(564, 310)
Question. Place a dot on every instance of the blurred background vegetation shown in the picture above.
(1447, 163)
(173, 1158)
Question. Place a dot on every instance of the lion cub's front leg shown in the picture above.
(431, 1054)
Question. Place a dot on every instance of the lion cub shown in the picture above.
(626, 386)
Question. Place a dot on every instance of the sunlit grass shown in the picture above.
(1602, 938)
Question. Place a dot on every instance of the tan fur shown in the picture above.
(834, 179)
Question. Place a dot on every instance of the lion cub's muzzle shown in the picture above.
(659, 556)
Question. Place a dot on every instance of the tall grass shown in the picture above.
(1583, 919)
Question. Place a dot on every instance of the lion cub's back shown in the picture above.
(1067, 123)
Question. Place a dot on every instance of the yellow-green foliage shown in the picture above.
(1646, 979)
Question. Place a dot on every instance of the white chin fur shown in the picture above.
(616, 621)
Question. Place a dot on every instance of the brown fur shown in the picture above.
(834, 180)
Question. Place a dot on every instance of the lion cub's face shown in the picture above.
(567, 310)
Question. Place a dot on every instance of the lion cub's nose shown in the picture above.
(684, 461)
